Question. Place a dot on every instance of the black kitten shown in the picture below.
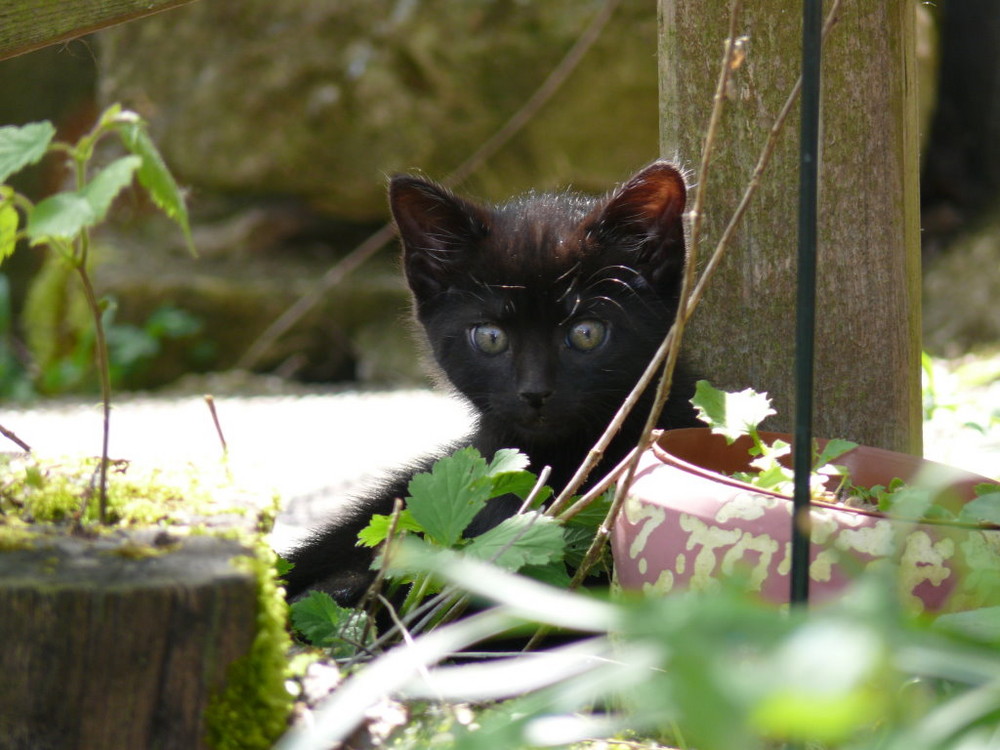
(542, 312)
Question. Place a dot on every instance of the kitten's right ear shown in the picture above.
(437, 229)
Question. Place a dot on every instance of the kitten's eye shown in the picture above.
(586, 335)
(488, 338)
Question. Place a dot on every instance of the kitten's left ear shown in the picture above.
(646, 213)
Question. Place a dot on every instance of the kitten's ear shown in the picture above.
(646, 213)
(437, 230)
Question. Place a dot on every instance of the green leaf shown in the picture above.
(445, 500)
(595, 513)
(24, 145)
(154, 175)
(981, 624)
(323, 622)
(105, 186)
(731, 414)
(507, 474)
(911, 503)
(526, 539)
(833, 449)
(65, 215)
(554, 574)
(507, 461)
(520, 483)
(8, 230)
(984, 509)
(377, 529)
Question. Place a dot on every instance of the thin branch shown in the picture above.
(596, 490)
(210, 401)
(15, 439)
(730, 61)
(543, 478)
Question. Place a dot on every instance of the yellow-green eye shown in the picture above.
(489, 338)
(585, 335)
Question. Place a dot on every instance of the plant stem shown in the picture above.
(80, 155)
(104, 372)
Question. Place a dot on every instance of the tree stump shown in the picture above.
(121, 641)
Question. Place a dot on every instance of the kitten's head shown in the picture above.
(545, 310)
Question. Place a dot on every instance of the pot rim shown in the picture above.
(666, 457)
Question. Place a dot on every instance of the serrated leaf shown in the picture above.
(506, 461)
(519, 483)
(507, 473)
(595, 513)
(323, 622)
(375, 532)
(63, 216)
(8, 230)
(445, 500)
(155, 176)
(832, 450)
(23, 145)
(731, 414)
(526, 539)
(105, 186)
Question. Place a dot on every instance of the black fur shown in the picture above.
(570, 295)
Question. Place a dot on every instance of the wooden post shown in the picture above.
(26, 25)
(868, 297)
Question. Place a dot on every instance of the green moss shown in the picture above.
(135, 551)
(47, 491)
(38, 497)
(14, 535)
(252, 709)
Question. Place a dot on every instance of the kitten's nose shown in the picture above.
(536, 399)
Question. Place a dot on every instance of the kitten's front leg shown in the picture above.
(331, 561)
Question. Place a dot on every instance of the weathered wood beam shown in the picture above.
(868, 311)
(27, 25)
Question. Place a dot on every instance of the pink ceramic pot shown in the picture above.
(685, 522)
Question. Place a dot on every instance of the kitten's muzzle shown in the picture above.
(535, 399)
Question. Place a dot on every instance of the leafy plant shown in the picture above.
(734, 415)
(62, 222)
(712, 671)
(439, 508)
